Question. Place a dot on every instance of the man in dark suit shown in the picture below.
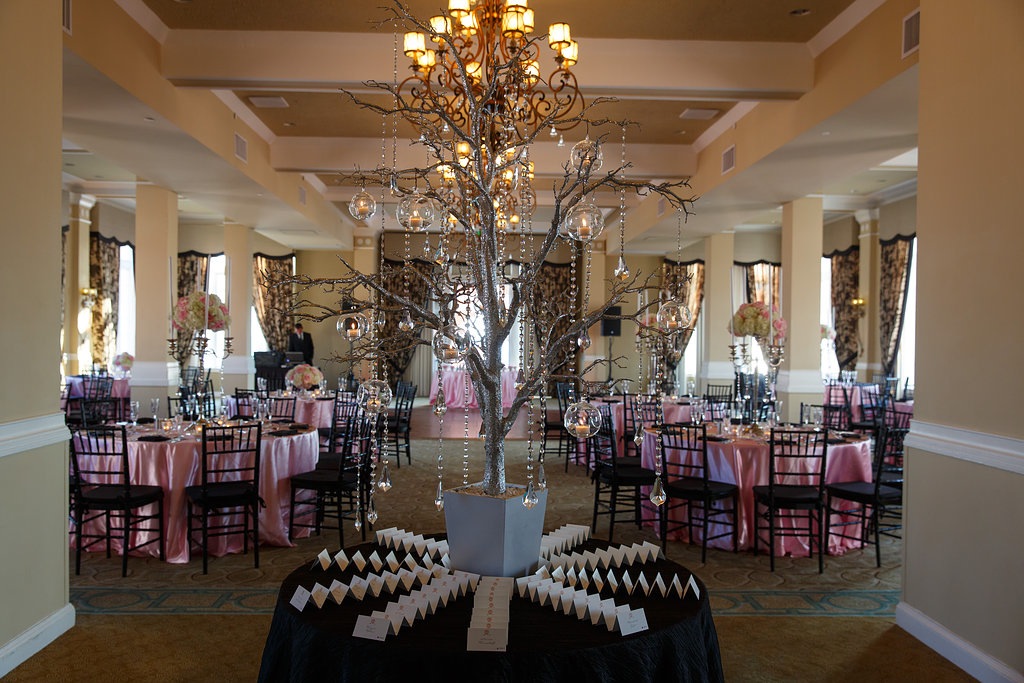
(301, 342)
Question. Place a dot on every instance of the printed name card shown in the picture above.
(341, 559)
(319, 595)
(300, 598)
(372, 627)
(323, 560)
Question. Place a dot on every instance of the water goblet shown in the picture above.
(154, 407)
(261, 383)
(133, 412)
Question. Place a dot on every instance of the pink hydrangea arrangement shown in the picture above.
(304, 376)
(124, 361)
(188, 313)
(753, 320)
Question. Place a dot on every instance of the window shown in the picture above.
(218, 286)
(125, 337)
(256, 338)
(905, 357)
(829, 362)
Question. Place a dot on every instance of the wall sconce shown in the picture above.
(88, 297)
(858, 305)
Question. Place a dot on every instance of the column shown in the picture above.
(239, 368)
(155, 374)
(870, 361)
(33, 438)
(77, 316)
(718, 308)
(800, 376)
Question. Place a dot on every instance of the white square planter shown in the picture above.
(493, 536)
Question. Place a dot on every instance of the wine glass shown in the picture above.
(154, 407)
(133, 412)
(261, 384)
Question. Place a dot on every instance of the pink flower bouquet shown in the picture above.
(754, 320)
(189, 311)
(124, 361)
(304, 376)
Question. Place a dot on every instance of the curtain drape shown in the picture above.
(192, 268)
(845, 286)
(762, 281)
(271, 302)
(896, 255)
(104, 277)
(552, 294)
(691, 293)
(63, 280)
(395, 343)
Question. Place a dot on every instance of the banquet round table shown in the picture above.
(316, 411)
(744, 462)
(456, 382)
(543, 645)
(175, 464)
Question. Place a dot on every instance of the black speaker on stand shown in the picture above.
(611, 327)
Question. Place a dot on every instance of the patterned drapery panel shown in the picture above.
(845, 286)
(691, 293)
(272, 302)
(192, 267)
(63, 276)
(104, 271)
(763, 282)
(553, 295)
(399, 346)
(896, 255)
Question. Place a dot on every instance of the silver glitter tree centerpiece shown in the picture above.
(479, 101)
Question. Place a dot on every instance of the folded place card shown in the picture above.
(420, 546)
(568, 598)
(338, 591)
(631, 621)
(410, 562)
(341, 559)
(487, 640)
(597, 581)
(655, 550)
(375, 584)
(659, 584)
(627, 582)
(372, 627)
(375, 561)
(357, 588)
(613, 582)
(583, 579)
(382, 535)
(408, 579)
(390, 581)
(300, 598)
(676, 586)
(323, 560)
(319, 595)
(359, 561)
(559, 574)
(570, 577)
(631, 554)
(691, 584)
(392, 561)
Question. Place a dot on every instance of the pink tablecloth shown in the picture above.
(671, 411)
(744, 462)
(834, 395)
(455, 381)
(121, 387)
(312, 411)
(175, 465)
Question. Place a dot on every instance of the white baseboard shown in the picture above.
(35, 639)
(982, 666)
(992, 450)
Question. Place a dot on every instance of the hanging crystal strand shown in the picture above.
(658, 490)
(622, 270)
(465, 437)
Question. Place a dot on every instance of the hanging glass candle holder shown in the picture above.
(362, 206)
(406, 323)
(352, 326)
(586, 155)
(374, 396)
(673, 316)
(583, 223)
(450, 345)
(582, 419)
(415, 212)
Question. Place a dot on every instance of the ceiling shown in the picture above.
(680, 94)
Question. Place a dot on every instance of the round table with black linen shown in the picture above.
(543, 645)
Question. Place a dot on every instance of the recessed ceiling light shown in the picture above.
(150, 119)
(288, 124)
(800, 12)
(680, 132)
(699, 114)
(268, 102)
(826, 133)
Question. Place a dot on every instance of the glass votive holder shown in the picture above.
(166, 425)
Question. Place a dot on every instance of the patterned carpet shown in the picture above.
(739, 584)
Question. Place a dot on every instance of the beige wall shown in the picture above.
(964, 549)
(840, 235)
(898, 218)
(33, 460)
(113, 221)
(327, 344)
(757, 246)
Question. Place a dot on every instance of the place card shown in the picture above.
(570, 576)
(390, 581)
(359, 561)
(376, 584)
(420, 545)
(382, 535)
(627, 582)
(408, 579)
(568, 598)
(630, 621)
(655, 550)
(594, 608)
(338, 591)
(392, 561)
(341, 559)
(319, 595)
(487, 640)
(435, 571)
(372, 627)
(676, 586)
(631, 554)
(659, 583)
(618, 556)
(357, 587)
(300, 598)
(597, 581)
(323, 560)
(559, 574)
(375, 561)
(583, 579)
(692, 584)
(642, 583)
(613, 582)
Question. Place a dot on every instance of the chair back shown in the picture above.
(647, 411)
(99, 457)
(345, 423)
(895, 419)
(188, 406)
(96, 412)
(836, 417)
(718, 398)
(870, 403)
(97, 387)
(889, 451)
(565, 395)
(684, 452)
(231, 454)
(244, 399)
(283, 406)
(602, 450)
(796, 457)
(403, 403)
